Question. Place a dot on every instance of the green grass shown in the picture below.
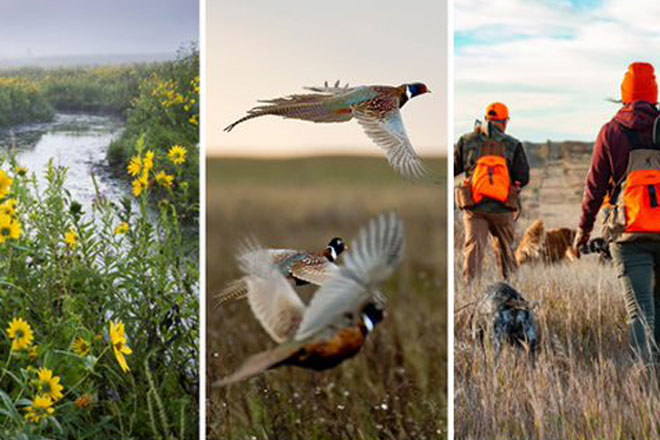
(396, 386)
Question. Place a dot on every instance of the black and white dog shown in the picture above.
(509, 319)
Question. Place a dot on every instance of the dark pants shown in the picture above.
(638, 267)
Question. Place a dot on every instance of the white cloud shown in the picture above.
(556, 79)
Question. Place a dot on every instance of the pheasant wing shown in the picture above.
(389, 134)
(373, 258)
(315, 270)
(273, 301)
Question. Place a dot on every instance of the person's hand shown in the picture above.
(581, 240)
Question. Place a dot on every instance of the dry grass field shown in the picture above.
(586, 384)
(395, 388)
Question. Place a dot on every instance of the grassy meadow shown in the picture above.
(396, 386)
(586, 384)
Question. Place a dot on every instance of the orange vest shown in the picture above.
(639, 197)
(490, 178)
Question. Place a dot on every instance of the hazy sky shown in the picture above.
(36, 28)
(553, 62)
(261, 49)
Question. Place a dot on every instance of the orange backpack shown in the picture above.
(636, 200)
(491, 175)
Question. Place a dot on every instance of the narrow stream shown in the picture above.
(76, 141)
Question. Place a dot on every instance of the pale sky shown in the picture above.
(46, 28)
(553, 62)
(262, 49)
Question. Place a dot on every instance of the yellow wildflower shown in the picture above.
(193, 120)
(9, 207)
(84, 402)
(10, 228)
(81, 346)
(20, 334)
(139, 186)
(5, 183)
(177, 155)
(164, 180)
(122, 228)
(41, 408)
(71, 238)
(49, 385)
(148, 161)
(135, 166)
(34, 353)
(118, 340)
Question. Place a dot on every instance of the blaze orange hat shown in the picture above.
(639, 84)
(497, 112)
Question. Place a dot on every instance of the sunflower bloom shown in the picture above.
(148, 162)
(10, 228)
(9, 207)
(49, 385)
(33, 353)
(20, 334)
(5, 184)
(139, 186)
(164, 179)
(81, 346)
(118, 340)
(122, 228)
(135, 166)
(41, 408)
(177, 155)
(71, 238)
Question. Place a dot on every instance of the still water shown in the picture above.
(76, 141)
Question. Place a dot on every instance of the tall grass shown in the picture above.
(396, 386)
(586, 384)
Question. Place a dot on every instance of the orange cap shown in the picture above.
(639, 84)
(497, 112)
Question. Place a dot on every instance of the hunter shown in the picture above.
(495, 168)
(625, 173)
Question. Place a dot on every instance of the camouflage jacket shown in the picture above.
(466, 154)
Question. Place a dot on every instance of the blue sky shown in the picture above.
(553, 63)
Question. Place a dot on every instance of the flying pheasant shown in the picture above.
(300, 267)
(376, 109)
(342, 313)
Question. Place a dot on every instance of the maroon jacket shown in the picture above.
(610, 156)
